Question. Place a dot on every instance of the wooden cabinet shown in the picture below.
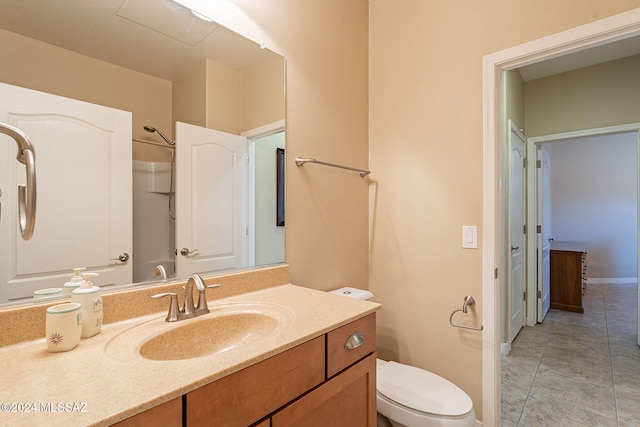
(317, 383)
(348, 399)
(246, 396)
(568, 275)
(166, 414)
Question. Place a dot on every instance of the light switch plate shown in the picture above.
(470, 236)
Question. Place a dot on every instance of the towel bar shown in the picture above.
(301, 161)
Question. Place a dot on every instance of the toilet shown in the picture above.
(412, 397)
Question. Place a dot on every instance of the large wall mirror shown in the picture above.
(157, 135)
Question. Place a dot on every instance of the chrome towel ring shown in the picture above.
(468, 300)
(26, 194)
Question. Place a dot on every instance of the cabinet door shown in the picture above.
(348, 399)
(168, 414)
(245, 397)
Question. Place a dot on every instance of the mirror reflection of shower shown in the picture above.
(154, 185)
(151, 129)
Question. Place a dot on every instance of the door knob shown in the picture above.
(515, 248)
(123, 257)
(186, 251)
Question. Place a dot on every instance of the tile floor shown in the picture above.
(577, 369)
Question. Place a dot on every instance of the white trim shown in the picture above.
(597, 33)
(265, 130)
(607, 130)
(505, 348)
(612, 281)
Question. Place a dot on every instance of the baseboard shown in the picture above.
(505, 348)
(612, 281)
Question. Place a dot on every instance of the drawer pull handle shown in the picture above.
(355, 341)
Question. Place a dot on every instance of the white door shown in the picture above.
(83, 174)
(516, 241)
(211, 200)
(544, 236)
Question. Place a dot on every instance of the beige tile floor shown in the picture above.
(577, 369)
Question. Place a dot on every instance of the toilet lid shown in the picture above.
(421, 390)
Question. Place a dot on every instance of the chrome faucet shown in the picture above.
(189, 309)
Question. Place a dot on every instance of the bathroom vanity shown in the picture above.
(297, 373)
(340, 387)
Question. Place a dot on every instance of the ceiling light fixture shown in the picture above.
(201, 16)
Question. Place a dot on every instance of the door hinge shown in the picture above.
(538, 164)
(495, 273)
(524, 229)
(538, 229)
(524, 162)
(246, 157)
(524, 296)
(539, 294)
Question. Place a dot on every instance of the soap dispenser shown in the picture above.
(75, 281)
(90, 297)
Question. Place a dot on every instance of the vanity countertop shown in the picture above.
(91, 386)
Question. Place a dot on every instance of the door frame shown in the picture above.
(593, 34)
(532, 144)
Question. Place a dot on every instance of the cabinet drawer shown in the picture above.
(339, 356)
(246, 396)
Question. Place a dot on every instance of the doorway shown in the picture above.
(595, 200)
(605, 31)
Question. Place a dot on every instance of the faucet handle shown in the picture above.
(202, 299)
(172, 315)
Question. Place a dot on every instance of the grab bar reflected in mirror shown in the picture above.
(26, 194)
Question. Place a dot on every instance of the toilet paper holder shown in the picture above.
(468, 300)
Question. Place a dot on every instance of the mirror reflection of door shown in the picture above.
(83, 214)
(211, 200)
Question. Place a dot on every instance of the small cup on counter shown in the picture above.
(48, 292)
(63, 326)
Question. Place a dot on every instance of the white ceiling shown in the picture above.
(156, 37)
(595, 55)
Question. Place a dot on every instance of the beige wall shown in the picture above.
(426, 153)
(190, 96)
(77, 76)
(593, 97)
(262, 96)
(325, 44)
(224, 103)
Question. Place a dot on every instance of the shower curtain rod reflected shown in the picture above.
(301, 161)
(157, 144)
